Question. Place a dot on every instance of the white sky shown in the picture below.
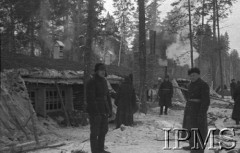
(230, 25)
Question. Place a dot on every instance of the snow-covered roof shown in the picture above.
(60, 43)
(110, 52)
(52, 76)
(182, 79)
(49, 73)
(114, 77)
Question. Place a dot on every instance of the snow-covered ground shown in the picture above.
(147, 135)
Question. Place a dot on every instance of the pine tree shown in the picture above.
(142, 54)
(124, 20)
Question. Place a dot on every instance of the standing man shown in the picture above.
(165, 94)
(238, 83)
(195, 114)
(99, 108)
(233, 86)
(236, 108)
(126, 103)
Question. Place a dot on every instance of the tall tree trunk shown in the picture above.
(231, 69)
(122, 32)
(120, 50)
(88, 49)
(142, 53)
(213, 59)
(75, 51)
(154, 16)
(219, 48)
(43, 33)
(190, 32)
(1, 45)
(32, 36)
(9, 40)
(202, 35)
(66, 35)
(11, 46)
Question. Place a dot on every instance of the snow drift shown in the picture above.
(18, 121)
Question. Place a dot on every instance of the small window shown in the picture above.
(53, 101)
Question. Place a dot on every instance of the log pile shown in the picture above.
(18, 121)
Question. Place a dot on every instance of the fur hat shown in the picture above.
(193, 70)
(100, 66)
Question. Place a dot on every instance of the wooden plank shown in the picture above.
(31, 146)
(63, 106)
(34, 126)
(19, 147)
(44, 147)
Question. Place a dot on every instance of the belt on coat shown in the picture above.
(195, 100)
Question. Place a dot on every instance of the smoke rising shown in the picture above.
(44, 33)
(106, 54)
(180, 50)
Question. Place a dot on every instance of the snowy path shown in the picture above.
(142, 138)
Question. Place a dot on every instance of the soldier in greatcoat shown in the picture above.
(165, 94)
(233, 86)
(99, 108)
(126, 103)
(236, 108)
(195, 114)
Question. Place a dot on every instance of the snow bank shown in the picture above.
(18, 121)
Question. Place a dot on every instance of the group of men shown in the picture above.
(198, 101)
(99, 105)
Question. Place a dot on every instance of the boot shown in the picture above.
(94, 146)
(166, 110)
(161, 110)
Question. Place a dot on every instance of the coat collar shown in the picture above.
(197, 81)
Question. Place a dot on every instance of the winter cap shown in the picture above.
(193, 70)
(100, 66)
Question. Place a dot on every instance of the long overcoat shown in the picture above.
(98, 97)
(233, 86)
(165, 94)
(236, 108)
(195, 114)
(126, 104)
